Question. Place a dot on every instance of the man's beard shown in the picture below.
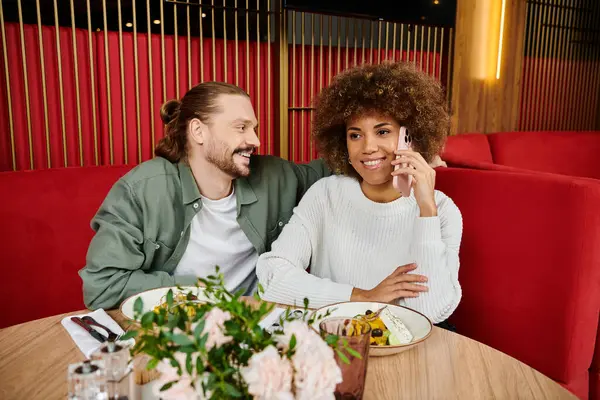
(222, 157)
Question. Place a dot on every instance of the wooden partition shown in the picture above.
(487, 69)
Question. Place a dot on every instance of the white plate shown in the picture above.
(154, 297)
(419, 325)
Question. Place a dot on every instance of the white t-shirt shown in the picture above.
(216, 238)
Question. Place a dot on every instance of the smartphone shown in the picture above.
(402, 183)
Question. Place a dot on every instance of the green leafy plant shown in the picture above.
(204, 346)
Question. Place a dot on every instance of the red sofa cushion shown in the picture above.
(45, 233)
(529, 267)
(467, 147)
(567, 153)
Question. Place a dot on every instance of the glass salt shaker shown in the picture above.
(115, 357)
(87, 381)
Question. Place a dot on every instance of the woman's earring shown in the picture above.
(349, 161)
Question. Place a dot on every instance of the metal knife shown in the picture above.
(95, 334)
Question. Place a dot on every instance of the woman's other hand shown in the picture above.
(397, 285)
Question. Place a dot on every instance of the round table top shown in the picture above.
(34, 357)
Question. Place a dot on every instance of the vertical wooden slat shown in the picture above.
(355, 31)
(176, 48)
(415, 44)
(150, 78)
(387, 33)
(429, 48)
(11, 126)
(346, 33)
(408, 32)
(441, 52)
(450, 64)
(269, 143)
(541, 76)
(372, 44)
(578, 61)
(258, 69)
(330, 25)
(189, 43)
(92, 81)
(394, 43)
(312, 73)
(589, 113)
(235, 25)
(379, 41)
(595, 112)
(60, 83)
(122, 73)
(44, 92)
(247, 48)
(556, 61)
(302, 104)
(421, 54)
(293, 80)
(282, 72)
(136, 79)
(225, 74)
(214, 50)
(76, 78)
(526, 60)
(201, 36)
(162, 52)
(339, 54)
(585, 63)
(402, 41)
(26, 84)
(362, 33)
(321, 52)
(533, 65)
(548, 60)
(572, 74)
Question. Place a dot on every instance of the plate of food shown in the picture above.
(393, 328)
(154, 299)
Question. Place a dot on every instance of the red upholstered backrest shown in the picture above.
(44, 237)
(567, 153)
(529, 266)
(468, 147)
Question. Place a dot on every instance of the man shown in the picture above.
(206, 200)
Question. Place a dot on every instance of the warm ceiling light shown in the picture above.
(129, 24)
(156, 22)
(499, 60)
(203, 15)
(436, 1)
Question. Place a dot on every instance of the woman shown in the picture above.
(361, 239)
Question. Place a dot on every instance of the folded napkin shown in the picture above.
(86, 343)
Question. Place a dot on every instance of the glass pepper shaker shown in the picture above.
(87, 381)
(115, 357)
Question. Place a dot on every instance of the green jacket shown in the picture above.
(143, 226)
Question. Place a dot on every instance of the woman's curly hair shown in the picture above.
(397, 90)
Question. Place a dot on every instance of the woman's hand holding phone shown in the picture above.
(410, 163)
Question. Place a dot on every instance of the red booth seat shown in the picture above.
(44, 237)
(566, 153)
(529, 267)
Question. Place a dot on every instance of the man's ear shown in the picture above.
(197, 130)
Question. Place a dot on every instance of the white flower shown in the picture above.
(316, 373)
(215, 327)
(180, 390)
(268, 375)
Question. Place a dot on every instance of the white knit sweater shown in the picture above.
(350, 241)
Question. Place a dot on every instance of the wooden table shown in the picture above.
(34, 358)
